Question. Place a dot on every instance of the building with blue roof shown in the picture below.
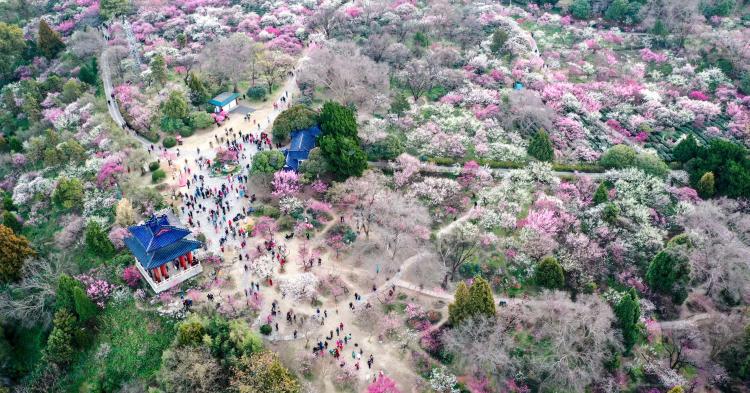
(225, 101)
(302, 142)
(163, 251)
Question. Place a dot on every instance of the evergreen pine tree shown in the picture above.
(628, 312)
(97, 241)
(706, 185)
(60, 342)
(540, 147)
(400, 104)
(685, 150)
(199, 94)
(159, 69)
(457, 309)
(49, 41)
(85, 308)
(89, 72)
(549, 274)
(64, 293)
(481, 301)
(668, 274)
(601, 195)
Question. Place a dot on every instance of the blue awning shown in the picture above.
(223, 99)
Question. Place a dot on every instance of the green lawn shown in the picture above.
(129, 346)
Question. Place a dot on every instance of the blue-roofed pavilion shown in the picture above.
(163, 251)
(302, 142)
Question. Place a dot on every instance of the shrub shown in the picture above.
(581, 9)
(11, 221)
(652, 164)
(618, 156)
(266, 329)
(549, 274)
(706, 185)
(386, 149)
(256, 93)
(152, 166)
(298, 117)
(610, 213)
(186, 132)
(601, 195)
(158, 175)
(169, 142)
(199, 120)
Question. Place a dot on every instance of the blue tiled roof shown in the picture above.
(302, 142)
(223, 99)
(151, 260)
(156, 242)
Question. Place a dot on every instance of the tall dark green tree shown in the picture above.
(97, 241)
(12, 46)
(481, 301)
(199, 93)
(89, 72)
(628, 312)
(457, 309)
(668, 273)
(540, 147)
(343, 155)
(158, 69)
(581, 9)
(549, 274)
(336, 119)
(64, 298)
(686, 150)
(49, 41)
(60, 342)
(85, 308)
(11, 221)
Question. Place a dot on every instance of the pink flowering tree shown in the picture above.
(408, 166)
(383, 385)
(265, 227)
(117, 236)
(96, 289)
(107, 175)
(285, 183)
(473, 176)
(131, 276)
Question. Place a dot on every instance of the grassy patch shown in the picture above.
(128, 347)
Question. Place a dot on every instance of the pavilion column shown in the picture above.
(183, 262)
(190, 258)
(155, 273)
(164, 271)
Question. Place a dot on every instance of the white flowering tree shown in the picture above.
(263, 266)
(300, 286)
(442, 381)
